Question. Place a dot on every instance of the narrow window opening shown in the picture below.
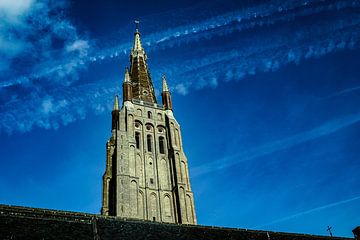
(151, 181)
(137, 139)
(161, 145)
(149, 115)
(154, 219)
(149, 143)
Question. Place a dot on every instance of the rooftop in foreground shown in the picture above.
(35, 223)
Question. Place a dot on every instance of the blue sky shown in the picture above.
(266, 92)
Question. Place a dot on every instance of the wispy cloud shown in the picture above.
(41, 51)
(259, 53)
(40, 64)
(274, 146)
(265, 14)
(308, 212)
(263, 53)
(343, 92)
(236, 21)
(37, 43)
(59, 106)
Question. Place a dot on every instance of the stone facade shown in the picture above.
(146, 174)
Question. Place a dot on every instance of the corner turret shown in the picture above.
(165, 94)
(127, 87)
(115, 114)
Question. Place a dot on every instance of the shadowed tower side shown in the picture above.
(146, 175)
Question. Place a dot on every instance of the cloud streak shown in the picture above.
(261, 15)
(254, 17)
(268, 53)
(60, 106)
(343, 92)
(61, 66)
(272, 147)
(38, 44)
(309, 211)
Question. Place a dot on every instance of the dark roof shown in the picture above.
(356, 231)
(35, 223)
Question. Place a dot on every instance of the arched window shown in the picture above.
(137, 140)
(149, 114)
(161, 145)
(149, 143)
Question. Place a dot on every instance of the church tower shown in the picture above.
(146, 175)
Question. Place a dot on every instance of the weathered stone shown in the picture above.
(146, 174)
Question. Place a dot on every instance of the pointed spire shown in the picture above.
(127, 76)
(137, 42)
(127, 87)
(165, 87)
(166, 96)
(116, 104)
(142, 86)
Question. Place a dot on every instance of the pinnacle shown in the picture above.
(127, 76)
(116, 103)
(165, 87)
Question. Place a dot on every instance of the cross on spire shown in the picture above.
(137, 25)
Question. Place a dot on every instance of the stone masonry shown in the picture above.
(146, 174)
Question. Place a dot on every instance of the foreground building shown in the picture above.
(34, 223)
(146, 174)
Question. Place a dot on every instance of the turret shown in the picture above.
(115, 114)
(165, 94)
(127, 87)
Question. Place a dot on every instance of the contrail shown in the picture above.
(241, 20)
(342, 92)
(271, 147)
(257, 16)
(268, 53)
(249, 55)
(309, 211)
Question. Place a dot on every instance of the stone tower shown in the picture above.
(146, 174)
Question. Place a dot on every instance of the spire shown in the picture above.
(137, 41)
(127, 87)
(115, 114)
(142, 86)
(164, 84)
(116, 104)
(165, 95)
(127, 76)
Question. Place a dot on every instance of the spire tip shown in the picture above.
(165, 87)
(116, 103)
(127, 75)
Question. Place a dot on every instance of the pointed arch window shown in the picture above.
(137, 140)
(161, 145)
(149, 143)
